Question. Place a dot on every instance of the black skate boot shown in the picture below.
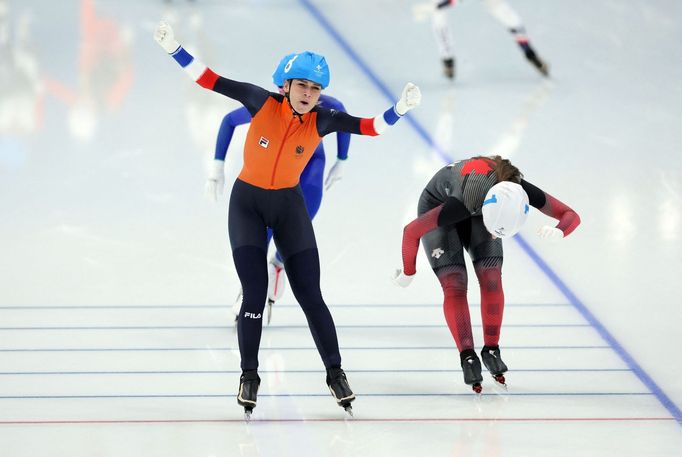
(493, 362)
(537, 62)
(248, 391)
(338, 386)
(471, 367)
(449, 68)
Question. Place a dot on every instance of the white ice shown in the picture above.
(115, 273)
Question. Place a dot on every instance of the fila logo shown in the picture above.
(252, 315)
(437, 253)
(263, 142)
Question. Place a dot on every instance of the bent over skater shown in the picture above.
(473, 205)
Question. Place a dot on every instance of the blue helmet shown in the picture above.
(278, 75)
(303, 65)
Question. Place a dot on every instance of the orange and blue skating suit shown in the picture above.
(267, 194)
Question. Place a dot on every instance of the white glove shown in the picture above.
(410, 98)
(401, 279)
(215, 183)
(422, 11)
(550, 233)
(334, 173)
(164, 36)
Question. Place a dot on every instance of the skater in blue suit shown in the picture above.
(312, 178)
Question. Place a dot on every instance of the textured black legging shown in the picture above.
(252, 211)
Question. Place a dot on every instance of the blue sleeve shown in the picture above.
(342, 138)
(237, 117)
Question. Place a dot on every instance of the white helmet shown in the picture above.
(505, 209)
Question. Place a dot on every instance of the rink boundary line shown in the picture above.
(312, 371)
(619, 349)
(383, 88)
(285, 327)
(234, 349)
(256, 420)
(325, 395)
(228, 307)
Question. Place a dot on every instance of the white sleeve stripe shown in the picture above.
(380, 124)
(195, 69)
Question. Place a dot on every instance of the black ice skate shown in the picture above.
(536, 61)
(268, 309)
(471, 367)
(449, 68)
(248, 391)
(493, 362)
(338, 386)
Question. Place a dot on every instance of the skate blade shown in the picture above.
(247, 414)
(500, 383)
(544, 70)
(477, 388)
(349, 410)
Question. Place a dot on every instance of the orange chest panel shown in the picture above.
(278, 146)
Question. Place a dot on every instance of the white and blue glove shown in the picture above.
(215, 182)
(399, 278)
(165, 37)
(547, 232)
(410, 98)
(335, 173)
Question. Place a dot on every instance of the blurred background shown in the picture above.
(108, 245)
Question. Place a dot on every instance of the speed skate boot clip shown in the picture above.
(493, 362)
(276, 283)
(449, 67)
(248, 392)
(536, 61)
(471, 367)
(338, 386)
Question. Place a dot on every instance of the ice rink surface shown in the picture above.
(116, 281)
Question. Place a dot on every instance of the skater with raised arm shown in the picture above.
(284, 132)
(311, 179)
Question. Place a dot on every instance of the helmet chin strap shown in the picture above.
(293, 110)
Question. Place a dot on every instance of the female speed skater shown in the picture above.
(473, 205)
(284, 132)
(311, 179)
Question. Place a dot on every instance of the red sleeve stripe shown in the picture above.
(367, 127)
(207, 79)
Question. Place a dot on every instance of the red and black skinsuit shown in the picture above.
(450, 221)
